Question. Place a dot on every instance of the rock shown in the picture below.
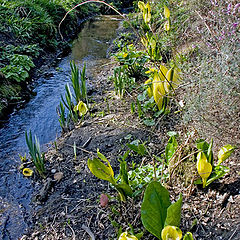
(58, 176)
(103, 200)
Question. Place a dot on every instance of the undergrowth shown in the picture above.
(212, 77)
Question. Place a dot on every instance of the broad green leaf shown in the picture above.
(202, 145)
(225, 153)
(171, 148)
(171, 233)
(133, 147)
(142, 149)
(126, 189)
(100, 170)
(218, 172)
(149, 122)
(154, 208)
(174, 213)
(188, 236)
(166, 12)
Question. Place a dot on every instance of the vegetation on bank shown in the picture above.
(28, 33)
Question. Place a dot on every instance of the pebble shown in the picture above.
(58, 176)
(53, 171)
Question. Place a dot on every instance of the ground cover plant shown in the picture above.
(169, 184)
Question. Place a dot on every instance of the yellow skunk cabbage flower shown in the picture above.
(27, 172)
(225, 153)
(171, 233)
(126, 236)
(148, 83)
(147, 13)
(81, 108)
(158, 90)
(167, 25)
(172, 79)
(204, 168)
(166, 12)
(162, 73)
(141, 5)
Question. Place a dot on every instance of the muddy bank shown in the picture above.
(70, 207)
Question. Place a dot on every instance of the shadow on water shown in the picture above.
(40, 116)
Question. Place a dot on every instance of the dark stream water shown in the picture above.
(39, 115)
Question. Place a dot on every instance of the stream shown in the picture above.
(39, 115)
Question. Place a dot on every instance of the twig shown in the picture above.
(74, 235)
(233, 234)
(87, 142)
(87, 229)
(82, 149)
(97, 1)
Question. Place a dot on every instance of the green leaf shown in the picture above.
(225, 153)
(202, 145)
(125, 188)
(188, 236)
(136, 147)
(133, 147)
(171, 148)
(149, 122)
(123, 172)
(100, 170)
(102, 157)
(174, 213)
(154, 208)
(218, 172)
(210, 152)
(142, 149)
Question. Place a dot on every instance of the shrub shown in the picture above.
(213, 89)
